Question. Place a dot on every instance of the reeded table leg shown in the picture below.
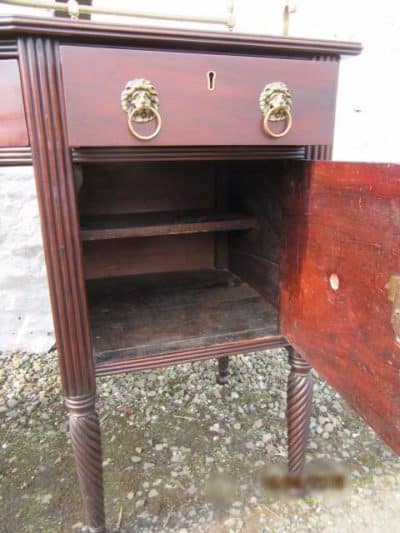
(86, 445)
(299, 403)
(41, 79)
(222, 376)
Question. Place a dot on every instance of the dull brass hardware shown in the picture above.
(74, 9)
(140, 101)
(394, 297)
(275, 104)
(287, 10)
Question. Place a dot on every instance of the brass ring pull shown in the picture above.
(140, 101)
(289, 122)
(138, 111)
(276, 104)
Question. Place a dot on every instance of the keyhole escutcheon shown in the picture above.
(211, 75)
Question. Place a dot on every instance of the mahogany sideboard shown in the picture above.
(189, 210)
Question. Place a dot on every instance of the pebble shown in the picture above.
(46, 499)
(225, 436)
(192, 490)
(267, 437)
(258, 424)
(12, 402)
(176, 457)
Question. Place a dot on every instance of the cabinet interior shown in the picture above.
(181, 256)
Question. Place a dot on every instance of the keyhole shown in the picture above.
(211, 75)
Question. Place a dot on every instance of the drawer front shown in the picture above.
(191, 113)
(13, 131)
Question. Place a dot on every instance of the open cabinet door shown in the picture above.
(341, 246)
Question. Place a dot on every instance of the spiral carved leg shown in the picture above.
(299, 403)
(86, 444)
(222, 376)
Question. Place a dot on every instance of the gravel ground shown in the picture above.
(183, 454)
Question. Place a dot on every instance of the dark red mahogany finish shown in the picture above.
(344, 219)
(192, 114)
(101, 140)
(12, 115)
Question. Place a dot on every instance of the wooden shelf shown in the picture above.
(160, 319)
(100, 227)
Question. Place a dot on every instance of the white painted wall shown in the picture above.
(368, 115)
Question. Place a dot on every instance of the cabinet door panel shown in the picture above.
(341, 246)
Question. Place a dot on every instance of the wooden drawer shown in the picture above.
(13, 131)
(94, 78)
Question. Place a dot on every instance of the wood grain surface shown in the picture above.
(13, 130)
(173, 38)
(123, 257)
(344, 219)
(185, 153)
(101, 227)
(166, 313)
(192, 114)
(55, 183)
(90, 82)
(255, 255)
(118, 188)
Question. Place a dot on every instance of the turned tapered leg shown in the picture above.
(86, 444)
(222, 376)
(299, 403)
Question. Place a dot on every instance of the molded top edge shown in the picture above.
(224, 41)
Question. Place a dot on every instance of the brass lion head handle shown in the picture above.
(140, 101)
(276, 104)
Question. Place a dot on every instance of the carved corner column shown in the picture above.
(56, 191)
(223, 372)
(299, 405)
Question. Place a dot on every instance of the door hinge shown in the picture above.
(393, 288)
